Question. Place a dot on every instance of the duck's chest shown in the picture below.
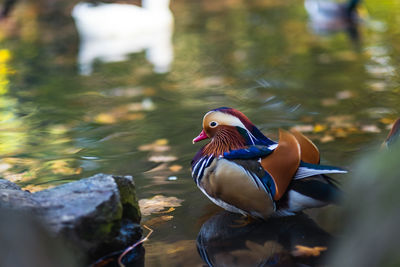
(232, 187)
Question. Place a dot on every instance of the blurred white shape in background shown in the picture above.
(110, 32)
(328, 16)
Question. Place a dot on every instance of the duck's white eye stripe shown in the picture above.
(213, 124)
(225, 119)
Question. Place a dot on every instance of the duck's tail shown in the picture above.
(311, 192)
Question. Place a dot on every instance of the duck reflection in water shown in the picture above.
(110, 32)
(279, 241)
(328, 17)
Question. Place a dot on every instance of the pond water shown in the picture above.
(262, 57)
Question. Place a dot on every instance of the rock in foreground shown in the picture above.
(89, 214)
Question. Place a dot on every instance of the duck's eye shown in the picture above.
(213, 124)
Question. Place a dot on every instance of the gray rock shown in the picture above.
(11, 196)
(127, 192)
(92, 214)
(5, 184)
(25, 242)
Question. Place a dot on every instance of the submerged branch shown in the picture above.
(134, 245)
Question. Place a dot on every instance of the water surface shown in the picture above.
(260, 57)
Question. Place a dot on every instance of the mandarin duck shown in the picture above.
(243, 171)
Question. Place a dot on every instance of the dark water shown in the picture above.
(261, 57)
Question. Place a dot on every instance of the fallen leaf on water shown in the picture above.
(160, 145)
(377, 86)
(158, 168)
(155, 148)
(319, 128)
(210, 81)
(370, 129)
(162, 158)
(303, 128)
(175, 168)
(387, 121)
(327, 102)
(117, 114)
(344, 94)
(326, 139)
(161, 142)
(171, 209)
(304, 251)
(340, 121)
(105, 118)
(158, 203)
(340, 132)
(133, 116)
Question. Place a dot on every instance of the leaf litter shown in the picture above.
(158, 203)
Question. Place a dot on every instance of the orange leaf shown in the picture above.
(304, 251)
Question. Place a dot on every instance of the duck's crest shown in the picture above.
(261, 139)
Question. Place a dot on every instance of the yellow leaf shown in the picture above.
(5, 55)
(387, 120)
(319, 128)
(105, 118)
(161, 142)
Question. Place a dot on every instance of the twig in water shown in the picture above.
(134, 245)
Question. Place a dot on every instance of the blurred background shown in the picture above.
(88, 88)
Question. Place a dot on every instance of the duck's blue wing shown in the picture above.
(251, 152)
